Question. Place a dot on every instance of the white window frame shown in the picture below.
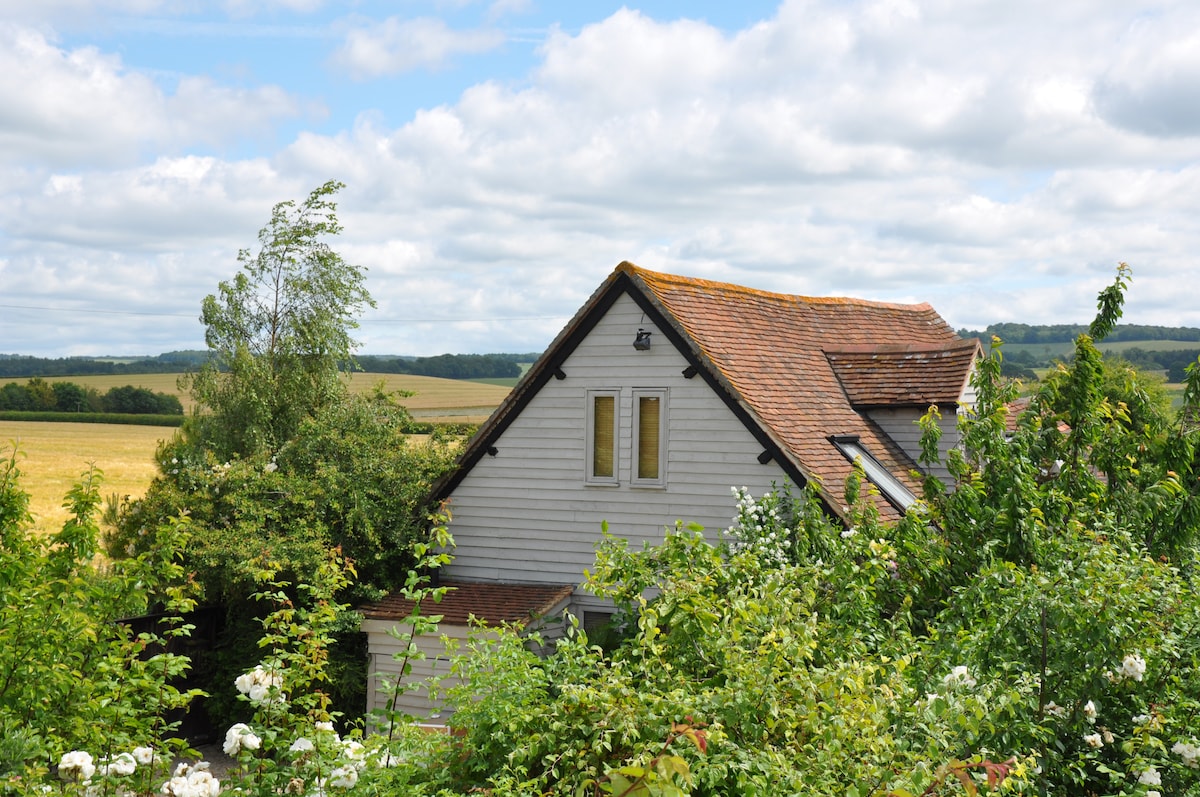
(590, 476)
(635, 427)
(889, 486)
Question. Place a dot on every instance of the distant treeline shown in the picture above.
(1020, 362)
(1173, 362)
(446, 366)
(1170, 361)
(1066, 333)
(38, 395)
(14, 366)
(450, 366)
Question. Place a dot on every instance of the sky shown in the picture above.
(995, 158)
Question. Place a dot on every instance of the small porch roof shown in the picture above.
(490, 604)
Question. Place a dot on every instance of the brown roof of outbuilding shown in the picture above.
(904, 375)
(491, 604)
(765, 354)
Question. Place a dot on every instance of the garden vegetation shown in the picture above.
(1033, 630)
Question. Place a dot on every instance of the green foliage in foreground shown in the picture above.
(1036, 630)
(72, 673)
(86, 705)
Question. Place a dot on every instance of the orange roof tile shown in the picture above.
(904, 376)
(769, 356)
(771, 351)
(491, 604)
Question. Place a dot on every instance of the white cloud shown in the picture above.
(400, 45)
(83, 106)
(1153, 84)
(977, 156)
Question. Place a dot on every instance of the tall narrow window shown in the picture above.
(602, 437)
(649, 443)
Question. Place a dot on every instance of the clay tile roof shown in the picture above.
(902, 375)
(769, 350)
(492, 604)
(765, 354)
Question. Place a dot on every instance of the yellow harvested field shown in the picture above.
(437, 399)
(432, 399)
(53, 455)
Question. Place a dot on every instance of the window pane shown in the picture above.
(648, 447)
(603, 421)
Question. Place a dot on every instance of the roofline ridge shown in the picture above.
(648, 276)
(956, 345)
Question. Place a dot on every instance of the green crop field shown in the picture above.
(53, 455)
(1065, 349)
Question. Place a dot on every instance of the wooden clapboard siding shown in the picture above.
(526, 515)
(901, 424)
(383, 665)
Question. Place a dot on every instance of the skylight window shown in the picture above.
(889, 486)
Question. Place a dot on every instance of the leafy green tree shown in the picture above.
(278, 331)
(72, 673)
(140, 401)
(41, 394)
(15, 397)
(283, 463)
(70, 397)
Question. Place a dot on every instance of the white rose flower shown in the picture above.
(120, 765)
(343, 778)
(301, 745)
(354, 752)
(143, 755)
(239, 737)
(1089, 711)
(959, 676)
(1150, 777)
(1094, 740)
(76, 765)
(192, 781)
(1133, 666)
(1189, 752)
(260, 685)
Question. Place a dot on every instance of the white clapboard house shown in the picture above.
(661, 394)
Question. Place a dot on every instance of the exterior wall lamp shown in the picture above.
(642, 341)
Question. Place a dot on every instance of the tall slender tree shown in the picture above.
(279, 332)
